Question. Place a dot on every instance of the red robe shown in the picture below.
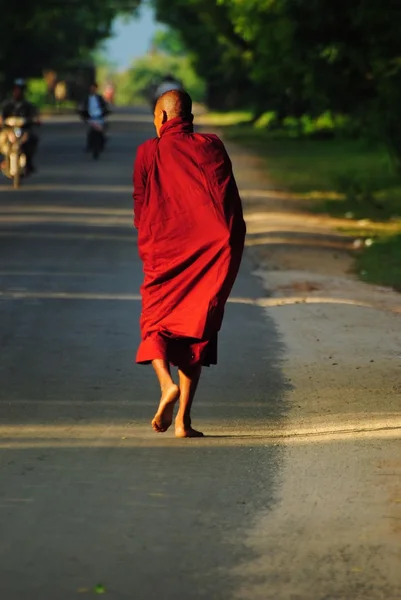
(191, 235)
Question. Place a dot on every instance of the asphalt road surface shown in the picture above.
(89, 495)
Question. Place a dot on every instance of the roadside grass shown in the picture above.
(65, 108)
(351, 179)
(224, 118)
(381, 263)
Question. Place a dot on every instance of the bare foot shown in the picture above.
(181, 431)
(164, 416)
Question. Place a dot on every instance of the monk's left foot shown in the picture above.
(164, 416)
(187, 432)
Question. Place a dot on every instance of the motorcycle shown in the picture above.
(96, 134)
(17, 135)
(96, 137)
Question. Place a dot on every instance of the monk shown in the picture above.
(191, 235)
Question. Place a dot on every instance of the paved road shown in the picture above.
(89, 494)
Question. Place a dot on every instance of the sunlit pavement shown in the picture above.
(264, 507)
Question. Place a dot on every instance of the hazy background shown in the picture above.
(132, 37)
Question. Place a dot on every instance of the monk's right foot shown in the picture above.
(164, 416)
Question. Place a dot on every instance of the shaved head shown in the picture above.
(170, 105)
(175, 103)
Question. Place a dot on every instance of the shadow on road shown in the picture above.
(162, 517)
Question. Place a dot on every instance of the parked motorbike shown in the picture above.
(17, 135)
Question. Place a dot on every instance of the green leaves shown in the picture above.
(53, 34)
(216, 49)
(297, 56)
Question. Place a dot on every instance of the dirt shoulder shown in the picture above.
(342, 336)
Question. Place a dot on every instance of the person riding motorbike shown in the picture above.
(18, 106)
(93, 108)
(168, 83)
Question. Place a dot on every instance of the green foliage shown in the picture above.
(217, 52)
(380, 263)
(309, 166)
(266, 120)
(169, 41)
(37, 92)
(52, 35)
(221, 119)
(106, 70)
(319, 170)
(356, 188)
(137, 83)
(298, 57)
(320, 127)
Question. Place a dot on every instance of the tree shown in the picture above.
(169, 41)
(168, 56)
(317, 55)
(215, 49)
(52, 34)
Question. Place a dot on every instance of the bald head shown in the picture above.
(175, 103)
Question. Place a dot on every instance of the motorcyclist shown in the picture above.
(94, 107)
(169, 82)
(19, 106)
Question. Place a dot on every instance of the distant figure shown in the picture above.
(191, 234)
(19, 106)
(168, 84)
(94, 108)
(109, 93)
(60, 93)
